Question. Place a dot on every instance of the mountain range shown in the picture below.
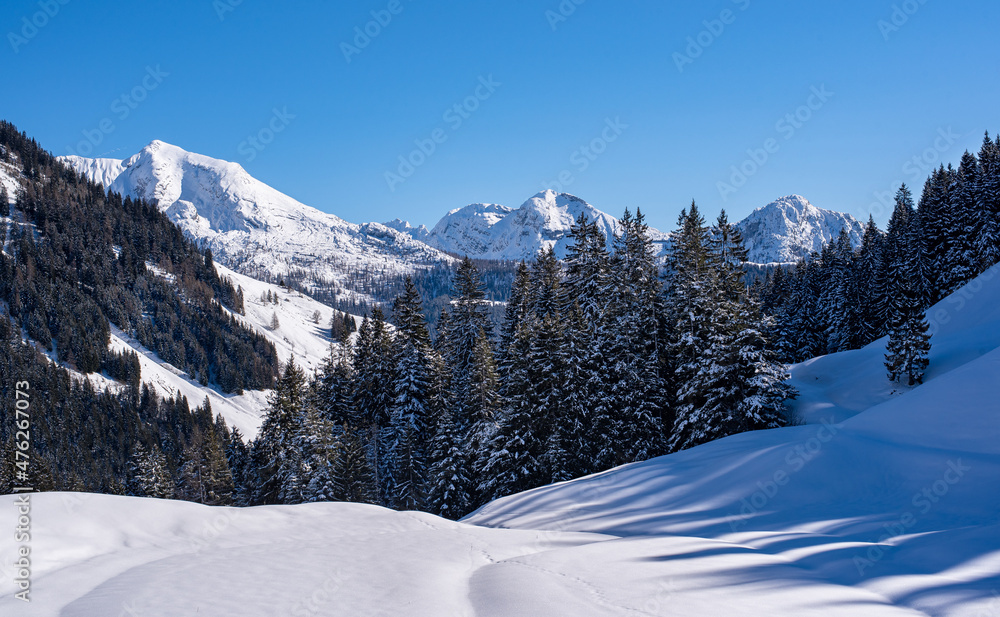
(253, 228)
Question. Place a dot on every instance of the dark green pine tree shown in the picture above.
(988, 237)
(149, 474)
(586, 293)
(870, 272)
(517, 451)
(335, 384)
(517, 308)
(241, 467)
(907, 351)
(936, 228)
(373, 393)
(4, 202)
(966, 220)
(899, 256)
(448, 483)
(692, 299)
(407, 471)
(353, 475)
(635, 341)
(275, 454)
(471, 368)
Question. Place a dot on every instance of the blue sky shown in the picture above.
(626, 104)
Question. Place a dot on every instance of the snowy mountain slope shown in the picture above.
(788, 229)
(892, 493)
(298, 336)
(250, 226)
(964, 326)
(891, 512)
(468, 230)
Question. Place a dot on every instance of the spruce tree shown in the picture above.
(407, 468)
(907, 351)
(988, 240)
(278, 460)
(149, 475)
(373, 392)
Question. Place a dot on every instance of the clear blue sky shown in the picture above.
(561, 81)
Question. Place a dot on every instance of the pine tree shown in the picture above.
(241, 468)
(517, 307)
(472, 370)
(4, 202)
(373, 393)
(899, 255)
(692, 299)
(275, 324)
(352, 471)
(335, 382)
(907, 351)
(407, 468)
(633, 344)
(988, 238)
(149, 475)
(967, 221)
(278, 461)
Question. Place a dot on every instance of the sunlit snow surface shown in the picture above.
(892, 509)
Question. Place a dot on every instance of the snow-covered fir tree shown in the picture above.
(909, 342)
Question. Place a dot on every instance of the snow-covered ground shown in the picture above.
(888, 506)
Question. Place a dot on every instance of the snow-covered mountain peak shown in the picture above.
(251, 226)
(493, 231)
(790, 228)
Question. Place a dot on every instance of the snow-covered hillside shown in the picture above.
(788, 229)
(887, 490)
(885, 507)
(250, 226)
(300, 334)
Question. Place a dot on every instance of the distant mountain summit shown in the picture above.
(492, 231)
(788, 229)
(250, 226)
(254, 228)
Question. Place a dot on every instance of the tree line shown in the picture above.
(600, 360)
